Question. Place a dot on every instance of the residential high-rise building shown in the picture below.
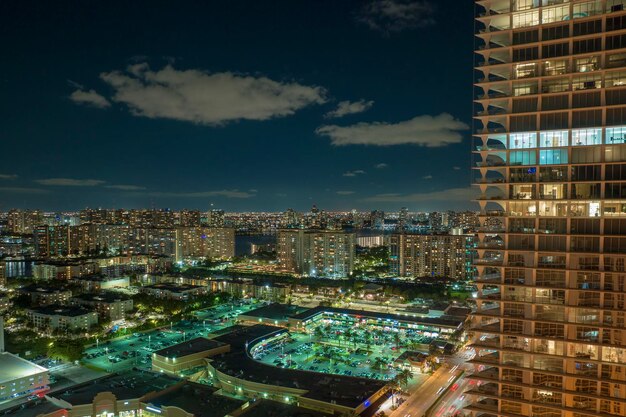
(550, 325)
(205, 243)
(316, 253)
(447, 256)
(24, 221)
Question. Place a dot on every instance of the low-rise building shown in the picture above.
(62, 317)
(186, 355)
(172, 291)
(109, 305)
(43, 296)
(64, 270)
(20, 378)
(100, 282)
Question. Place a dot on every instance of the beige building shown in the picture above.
(445, 256)
(62, 317)
(550, 130)
(20, 378)
(186, 355)
(204, 243)
(109, 305)
(316, 253)
(43, 296)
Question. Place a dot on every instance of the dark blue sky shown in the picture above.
(186, 104)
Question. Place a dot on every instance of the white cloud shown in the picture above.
(456, 168)
(70, 182)
(349, 107)
(427, 177)
(202, 194)
(353, 173)
(382, 165)
(90, 98)
(125, 187)
(207, 98)
(428, 131)
(344, 192)
(450, 195)
(388, 16)
(23, 190)
(8, 176)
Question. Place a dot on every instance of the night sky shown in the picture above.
(247, 105)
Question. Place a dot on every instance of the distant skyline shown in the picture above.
(245, 105)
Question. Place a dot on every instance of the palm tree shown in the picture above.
(405, 376)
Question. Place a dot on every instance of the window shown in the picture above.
(586, 173)
(590, 8)
(587, 28)
(617, 96)
(586, 82)
(616, 116)
(525, 70)
(552, 191)
(616, 23)
(523, 123)
(582, 137)
(616, 60)
(555, 67)
(586, 155)
(524, 4)
(554, 121)
(615, 135)
(552, 156)
(555, 139)
(585, 191)
(527, 36)
(554, 102)
(525, 54)
(615, 208)
(587, 45)
(523, 158)
(525, 105)
(522, 192)
(554, 50)
(615, 153)
(555, 32)
(523, 174)
(587, 99)
(587, 64)
(555, 14)
(547, 174)
(615, 42)
(525, 19)
(556, 86)
(522, 140)
(615, 190)
(615, 172)
(615, 79)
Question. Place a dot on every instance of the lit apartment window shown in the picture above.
(583, 137)
(525, 19)
(555, 67)
(615, 135)
(522, 140)
(553, 139)
(555, 14)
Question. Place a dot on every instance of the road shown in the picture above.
(428, 393)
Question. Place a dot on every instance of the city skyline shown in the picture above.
(346, 114)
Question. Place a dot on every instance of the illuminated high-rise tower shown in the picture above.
(550, 130)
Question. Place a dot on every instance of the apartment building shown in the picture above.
(447, 256)
(204, 243)
(62, 317)
(550, 130)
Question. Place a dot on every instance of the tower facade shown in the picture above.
(550, 130)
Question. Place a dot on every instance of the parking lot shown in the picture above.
(337, 348)
(136, 350)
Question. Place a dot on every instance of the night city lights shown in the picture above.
(289, 209)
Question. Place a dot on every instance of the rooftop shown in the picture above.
(128, 386)
(199, 344)
(199, 400)
(344, 390)
(14, 367)
(173, 287)
(443, 321)
(42, 289)
(100, 278)
(107, 297)
(264, 408)
(275, 311)
(60, 310)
